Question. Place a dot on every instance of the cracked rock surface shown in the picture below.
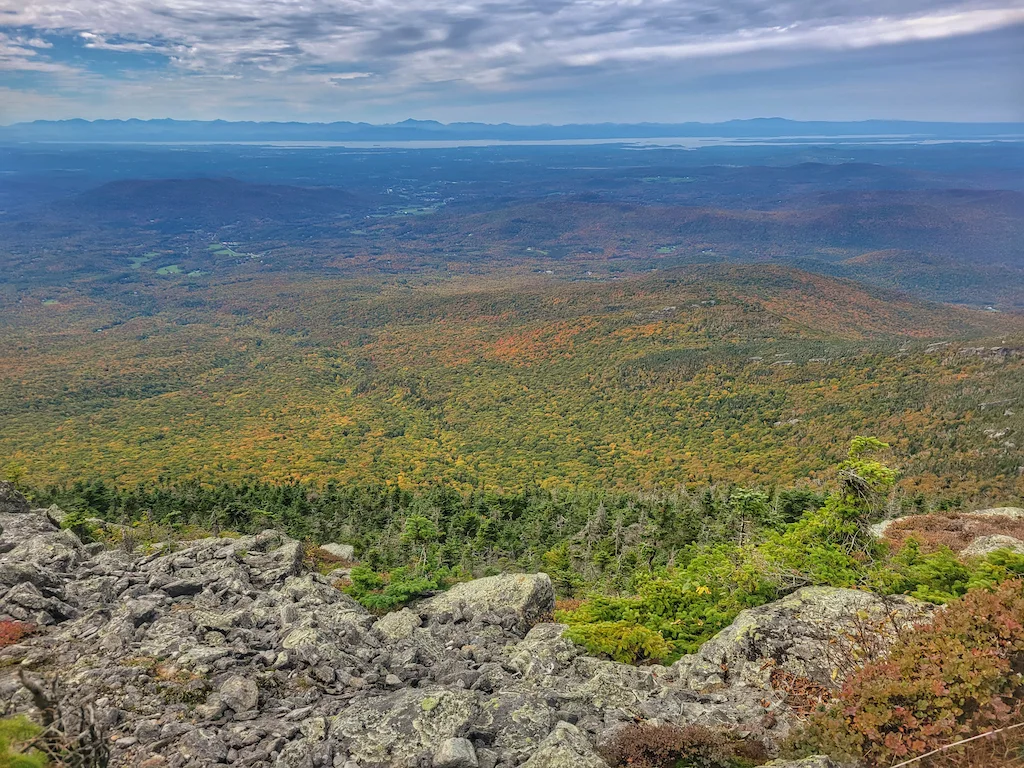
(224, 651)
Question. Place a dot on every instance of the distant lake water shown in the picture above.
(678, 142)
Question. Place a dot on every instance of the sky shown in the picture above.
(521, 61)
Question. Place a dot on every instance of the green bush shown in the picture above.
(15, 734)
(386, 592)
(620, 640)
(79, 523)
(687, 605)
(939, 576)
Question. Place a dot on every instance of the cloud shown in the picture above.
(456, 39)
(853, 34)
(19, 53)
(381, 49)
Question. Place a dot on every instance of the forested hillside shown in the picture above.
(743, 374)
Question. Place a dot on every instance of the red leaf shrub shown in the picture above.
(960, 676)
(955, 531)
(12, 632)
(649, 745)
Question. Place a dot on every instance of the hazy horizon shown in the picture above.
(426, 119)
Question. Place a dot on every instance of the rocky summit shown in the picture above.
(227, 651)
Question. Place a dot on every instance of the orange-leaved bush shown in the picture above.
(959, 676)
(663, 745)
(12, 632)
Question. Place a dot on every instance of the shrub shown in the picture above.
(955, 531)
(16, 733)
(79, 522)
(621, 641)
(646, 745)
(687, 605)
(12, 632)
(959, 676)
(939, 576)
(385, 592)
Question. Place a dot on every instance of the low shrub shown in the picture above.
(388, 591)
(940, 576)
(663, 745)
(16, 734)
(685, 607)
(620, 640)
(955, 531)
(959, 676)
(81, 524)
(12, 632)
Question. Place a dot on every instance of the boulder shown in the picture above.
(398, 625)
(239, 693)
(456, 753)
(543, 652)
(18, 527)
(986, 545)
(344, 551)
(813, 633)
(565, 747)
(1014, 513)
(530, 596)
(397, 728)
(878, 529)
(816, 761)
(12, 501)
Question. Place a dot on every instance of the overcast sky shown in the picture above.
(523, 61)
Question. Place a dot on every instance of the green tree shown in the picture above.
(419, 531)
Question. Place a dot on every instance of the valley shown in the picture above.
(511, 456)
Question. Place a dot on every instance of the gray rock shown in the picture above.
(393, 729)
(55, 514)
(817, 761)
(529, 596)
(1014, 513)
(398, 625)
(878, 529)
(986, 545)
(456, 753)
(542, 652)
(239, 693)
(203, 746)
(12, 501)
(808, 634)
(344, 551)
(565, 747)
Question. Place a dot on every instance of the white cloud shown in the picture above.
(856, 33)
(307, 50)
(18, 53)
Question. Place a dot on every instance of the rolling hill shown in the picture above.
(742, 373)
(962, 245)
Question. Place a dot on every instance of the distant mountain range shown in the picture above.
(420, 130)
